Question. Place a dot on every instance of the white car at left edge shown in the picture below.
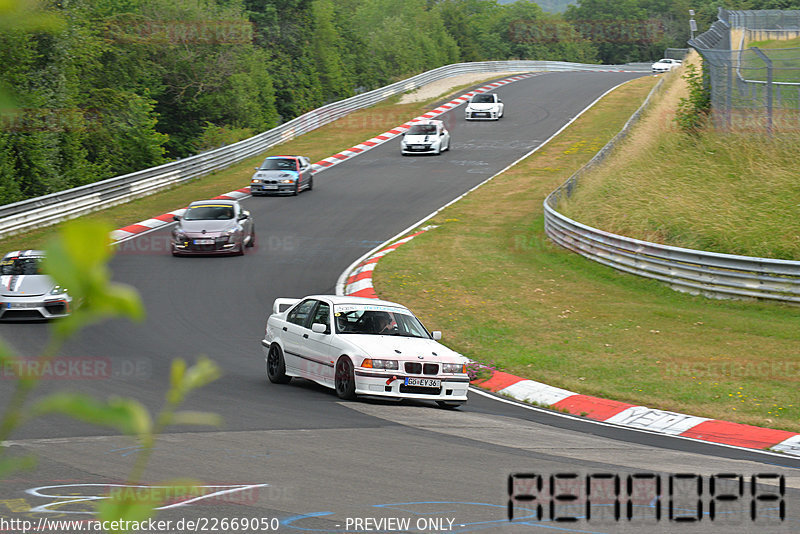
(360, 346)
(26, 292)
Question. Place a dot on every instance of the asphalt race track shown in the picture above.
(296, 453)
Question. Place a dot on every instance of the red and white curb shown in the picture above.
(132, 230)
(359, 280)
(642, 417)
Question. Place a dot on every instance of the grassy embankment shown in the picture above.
(319, 144)
(504, 295)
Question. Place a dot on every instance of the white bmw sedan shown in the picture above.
(361, 346)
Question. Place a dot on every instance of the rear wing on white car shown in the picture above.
(281, 305)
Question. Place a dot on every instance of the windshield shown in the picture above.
(422, 129)
(209, 212)
(483, 99)
(377, 320)
(278, 165)
(15, 266)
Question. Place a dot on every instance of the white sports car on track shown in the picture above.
(26, 292)
(425, 137)
(361, 346)
(665, 65)
(486, 106)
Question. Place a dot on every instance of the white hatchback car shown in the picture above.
(361, 346)
(486, 106)
(665, 65)
(425, 137)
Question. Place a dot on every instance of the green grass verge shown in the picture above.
(319, 144)
(504, 295)
(734, 193)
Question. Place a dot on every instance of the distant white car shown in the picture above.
(361, 346)
(486, 106)
(665, 65)
(425, 137)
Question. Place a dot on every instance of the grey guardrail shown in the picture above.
(50, 209)
(693, 271)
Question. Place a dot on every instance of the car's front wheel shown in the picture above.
(345, 379)
(276, 366)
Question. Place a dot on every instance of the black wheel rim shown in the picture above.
(272, 361)
(343, 377)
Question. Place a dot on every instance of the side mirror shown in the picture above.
(176, 217)
(319, 328)
(437, 335)
(256, 168)
(244, 215)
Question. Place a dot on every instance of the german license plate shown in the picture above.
(19, 305)
(418, 147)
(423, 382)
(203, 241)
(268, 187)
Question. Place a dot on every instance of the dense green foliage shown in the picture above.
(108, 87)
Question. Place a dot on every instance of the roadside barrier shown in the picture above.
(53, 208)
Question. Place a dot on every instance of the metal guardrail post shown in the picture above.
(769, 86)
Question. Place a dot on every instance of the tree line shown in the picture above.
(115, 86)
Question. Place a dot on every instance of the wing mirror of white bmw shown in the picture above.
(318, 328)
(176, 217)
(437, 335)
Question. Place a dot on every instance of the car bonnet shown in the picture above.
(25, 285)
(401, 348)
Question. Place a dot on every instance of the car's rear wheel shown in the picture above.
(447, 405)
(276, 366)
(345, 379)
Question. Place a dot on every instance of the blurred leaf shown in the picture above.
(77, 260)
(131, 505)
(203, 372)
(127, 415)
(177, 371)
(185, 380)
(16, 463)
(195, 418)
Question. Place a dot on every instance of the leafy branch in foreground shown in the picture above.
(78, 260)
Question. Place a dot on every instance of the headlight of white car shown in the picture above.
(390, 365)
(287, 181)
(454, 368)
(58, 290)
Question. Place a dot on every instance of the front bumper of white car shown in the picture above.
(400, 385)
(484, 114)
(420, 148)
(32, 308)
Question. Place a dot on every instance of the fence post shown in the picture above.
(768, 62)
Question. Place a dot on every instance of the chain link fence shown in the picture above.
(755, 88)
